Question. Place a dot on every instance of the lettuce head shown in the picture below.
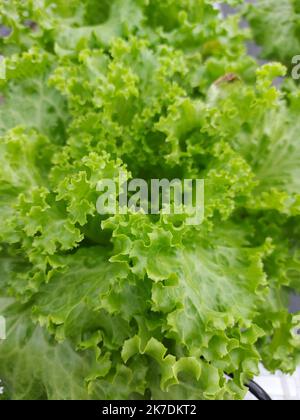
(136, 306)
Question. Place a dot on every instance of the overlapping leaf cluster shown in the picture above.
(138, 306)
(276, 28)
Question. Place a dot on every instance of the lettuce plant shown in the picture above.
(276, 28)
(138, 306)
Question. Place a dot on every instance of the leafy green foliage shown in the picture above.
(135, 306)
(276, 27)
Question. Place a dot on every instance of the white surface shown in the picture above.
(279, 386)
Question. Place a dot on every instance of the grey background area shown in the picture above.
(295, 303)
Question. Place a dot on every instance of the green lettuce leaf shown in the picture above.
(137, 306)
(276, 28)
